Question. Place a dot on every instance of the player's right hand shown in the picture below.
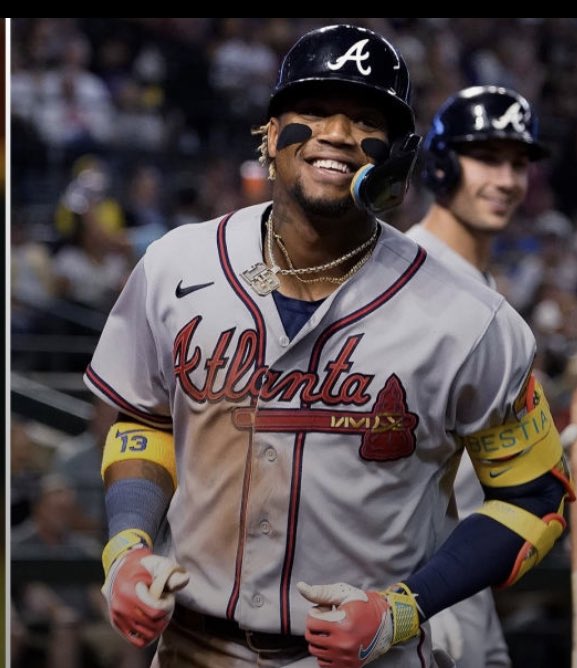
(139, 590)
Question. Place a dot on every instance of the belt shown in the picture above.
(258, 641)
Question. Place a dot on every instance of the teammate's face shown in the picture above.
(317, 171)
(494, 179)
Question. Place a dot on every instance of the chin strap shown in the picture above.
(377, 188)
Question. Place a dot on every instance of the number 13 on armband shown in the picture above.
(132, 441)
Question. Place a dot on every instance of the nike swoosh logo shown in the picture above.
(365, 652)
(182, 292)
(496, 474)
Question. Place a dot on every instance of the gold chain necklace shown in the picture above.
(298, 273)
(264, 279)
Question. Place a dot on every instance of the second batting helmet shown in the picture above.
(476, 114)
(351, 57)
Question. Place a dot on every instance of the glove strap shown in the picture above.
(121, 543)
(404, 611)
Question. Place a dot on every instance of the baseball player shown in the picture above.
(476, 162)
(296, 382)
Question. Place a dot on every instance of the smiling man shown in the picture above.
(477, 158)
(295, 383)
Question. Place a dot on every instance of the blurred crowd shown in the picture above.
(122, 129)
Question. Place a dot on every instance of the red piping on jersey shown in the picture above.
(294, 503)
(260, 359)
(238, 288)
(233, 599)
(405, 277)
(400, 283)
(124, 406)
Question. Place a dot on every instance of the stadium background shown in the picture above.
(124, 128)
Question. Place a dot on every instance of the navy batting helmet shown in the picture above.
(476, 114)
(350, 57)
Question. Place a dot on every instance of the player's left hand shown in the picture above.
(139, 590)
(349, 627)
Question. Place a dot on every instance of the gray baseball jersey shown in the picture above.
(327, 458)
(483, 640)
(468, 491)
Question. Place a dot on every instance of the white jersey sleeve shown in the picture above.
(140, 390)
(492, 376)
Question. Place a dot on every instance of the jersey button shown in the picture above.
(270, 454)
(284, 341)
(258, 601)
(265, 526)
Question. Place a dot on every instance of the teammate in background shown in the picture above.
(295, 384)
(477, 156)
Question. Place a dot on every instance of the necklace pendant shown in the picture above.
(262, 279)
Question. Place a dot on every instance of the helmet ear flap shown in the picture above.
(441, 172)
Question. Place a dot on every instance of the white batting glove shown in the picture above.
(446, 633)
(139, 590)
(349, 627)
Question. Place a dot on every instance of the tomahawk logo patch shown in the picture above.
(395, 436)
(356, 54)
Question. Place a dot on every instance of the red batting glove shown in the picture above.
(349, 627)
(134, 611)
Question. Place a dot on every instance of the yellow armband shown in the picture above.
(130, 440)
(518, 452)
(539, 534)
